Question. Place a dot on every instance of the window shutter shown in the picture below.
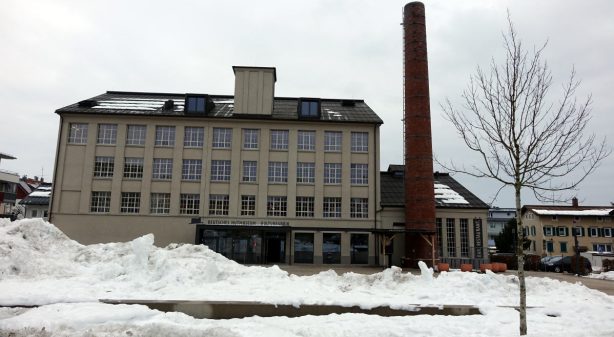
(583, 234)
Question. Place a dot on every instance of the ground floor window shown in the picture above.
(303, 248)
(331, 248)
(563, 247)
(602, 247)
(246, 245)
(549, 246)
(359, 248)
(451, 236)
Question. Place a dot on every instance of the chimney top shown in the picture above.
(235, 68)
(574, 202)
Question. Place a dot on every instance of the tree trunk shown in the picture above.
(520, 254)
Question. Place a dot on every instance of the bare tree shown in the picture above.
(524, 139)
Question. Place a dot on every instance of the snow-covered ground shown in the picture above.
(40, 266)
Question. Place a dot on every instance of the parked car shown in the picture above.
(568, 264)
(550, 263)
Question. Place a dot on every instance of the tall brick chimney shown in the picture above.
(419, 193)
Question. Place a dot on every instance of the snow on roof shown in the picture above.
(137, 104)
(577, 212)
(39, 193)
(447, 195)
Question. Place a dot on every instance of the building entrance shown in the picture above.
(245, 245)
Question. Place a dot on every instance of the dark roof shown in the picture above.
(38, 197)
(151, 104)
(449, 192)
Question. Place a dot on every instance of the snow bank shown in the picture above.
(39, 265)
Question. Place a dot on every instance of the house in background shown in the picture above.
(551, 228)
(36, 204)
(497, 219)
(460, 219)
(8, 189)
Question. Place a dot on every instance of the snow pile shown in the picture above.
(39, 265)
(609, 275)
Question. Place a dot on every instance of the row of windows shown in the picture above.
(563, 245)
(221, 170)
(222, 137)
(578, 230)
(331, 248)
(219, 205)
(450, 234)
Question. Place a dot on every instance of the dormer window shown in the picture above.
(195, 104)
(309, 108)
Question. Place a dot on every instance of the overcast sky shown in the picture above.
(55, 53)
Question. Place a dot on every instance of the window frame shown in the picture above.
(222, 138)
(221, 170)
(305, 173)
(249, 171)
(160, 203)
(191, 169)
(136, 135)
(219, 204)
(333, 141)
(165, 136)
(359, 208)
(309, 108)
(277, 206)
(359, 174)
(360, 141)
(306, 140)
(194, 137)
(331, 207)
(333, 173)
(100, 202)
(77, 133)
(305, 207)
(133, 167)
(251, 139)
(162, 169)
(279, 140)
(278, 172)
(107, 134)
(248, 205)
(130, 203)
(189, 203)
(104, 167)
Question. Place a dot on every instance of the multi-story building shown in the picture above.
(257, 178)
(8, 189)
(497, 219)
(36, 203)
(460, 217)
(551, 228)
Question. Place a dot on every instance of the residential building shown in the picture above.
(36, 204)
(497, 219)
(8, 189)
(551, 228)
(460, 217)
(258, 178)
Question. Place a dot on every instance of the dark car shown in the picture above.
(568, 264)
(550, 263)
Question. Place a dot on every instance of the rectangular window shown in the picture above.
(332, 173)
(548, 231)
(304, 207)
(451, 236)
(277, 206)
(305, 173)
(555, 218)
(248, 205)
(278, 172)
(359, 248)
(607, 232)
(192, 169)
(34, 213)
(550, 246)
(107, 134)
(250, 171)
(101, 202)
(332, 207)
(279, 140)
(195, 104)
(103, 167)
(563, 246)
(220, 170)
(602, 247)
(303, 248)
(135, 135)
(359, 208)
(160, 203)
(189, 203)
(77, 133)
(309, 108)
(331, 248)
(439, 229)
(578, 231)
(133, 168)
(162, 169)
(306, 140)
(360, 174)
(165, 136)
(131, 202)
(360, 142)
(222, 138)
(332, 141)
(218, 204)
(250, 138)
(593, 231)
(194, 137)
(562, 231)
(464, 237)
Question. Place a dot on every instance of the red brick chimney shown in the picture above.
(419, 193)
